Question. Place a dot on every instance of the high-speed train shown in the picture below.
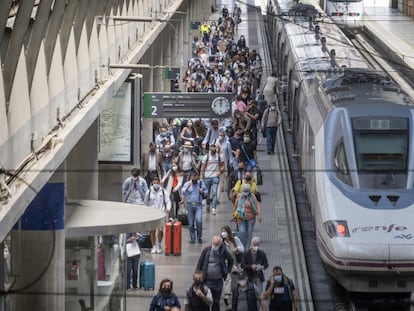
(353, 130)
(345, 13)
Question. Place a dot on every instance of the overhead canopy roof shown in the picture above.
(94, 217)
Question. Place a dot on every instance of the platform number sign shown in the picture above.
(187, 105)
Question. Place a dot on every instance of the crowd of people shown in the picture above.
(192, 161)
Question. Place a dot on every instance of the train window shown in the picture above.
(341, 164)
(381, 150)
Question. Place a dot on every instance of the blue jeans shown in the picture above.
(216, 287)
(246, 228)
(132, 271)
(271, 138)
(167, 166)
(212, 186)
(195, 220)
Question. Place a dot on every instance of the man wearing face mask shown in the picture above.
(157, 197)
(193, 192)
(212, 135)
(270, 121)
(134, 188)
(152, 163)
(247, 151)
(281, 291)
(255, 262)
(165, 299)
(215, 262)
(246, 296)
(198, 296)
(212, 167)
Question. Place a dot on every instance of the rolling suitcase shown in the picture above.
(147, 275)
(182, 216)
(173, 231)
(145, 241)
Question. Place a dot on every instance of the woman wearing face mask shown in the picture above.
(281, 292)
(235, 247)
(246, 208)
(255, 262)
(248, 179)
(189, 133)
(172, 182)
(165, 299)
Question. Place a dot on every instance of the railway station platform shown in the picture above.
(279, 232)
(392, 31)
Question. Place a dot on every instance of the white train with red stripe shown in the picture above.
(353, 129)
(345, 13)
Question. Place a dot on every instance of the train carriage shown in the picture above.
(352, 128)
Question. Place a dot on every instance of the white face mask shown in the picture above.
(255, 248)
(272, 107)
(156, 186)
(224, 235)
(242, 283)
(174, 168)
(215, 248)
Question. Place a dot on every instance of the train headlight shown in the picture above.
(336, 228)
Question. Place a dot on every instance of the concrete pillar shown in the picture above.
(82, 167)
(38, 244)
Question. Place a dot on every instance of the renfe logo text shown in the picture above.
(387, 228)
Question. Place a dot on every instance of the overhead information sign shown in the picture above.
(187, 105)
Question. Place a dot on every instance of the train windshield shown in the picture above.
(381, 145)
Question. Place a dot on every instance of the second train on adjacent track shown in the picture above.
(353, 131)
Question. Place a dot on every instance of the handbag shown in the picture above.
(252, 162)
(133, 249)
(259, 176)
(258, 196)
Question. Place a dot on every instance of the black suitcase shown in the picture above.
(145, 241)
(182, 216)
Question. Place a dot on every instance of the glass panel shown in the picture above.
(381, 151)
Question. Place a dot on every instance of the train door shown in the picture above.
(308, 161)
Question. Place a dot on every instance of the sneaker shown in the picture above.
(159, 249)
(154, 249)
(213, 211)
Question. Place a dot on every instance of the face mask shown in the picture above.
(224, 235)
(278, 278)
(272, 108)
(174, 168)
(246, 140)
(221, 138)
(197, 282)
(246, 193)
(190, 124)
(166, 291)
(156, 186)
(255, 248)
(214, 248)
(242, 283)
